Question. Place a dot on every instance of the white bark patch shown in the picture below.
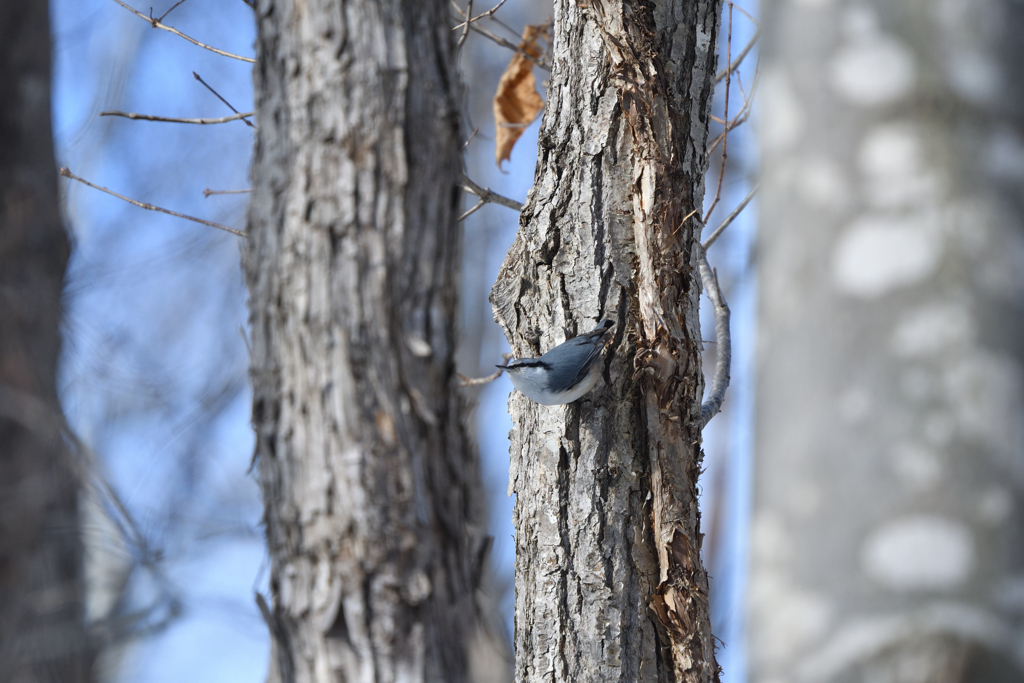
(939, 427)
(985, 391)
(995, 505)
(918, 466)
(821, 183)
(920, 553)
(932, 329)
(770, 542)
(917, 384)
(974, 76)
(855, 405)
(877, 254)
(864, 638)
(782, 116)
(872, 70)
(896, 173)
(798, 618)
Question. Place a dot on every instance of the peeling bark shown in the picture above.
(609, 580)
(371, 486)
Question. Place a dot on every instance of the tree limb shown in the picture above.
(155, 23)
(486, 196)
(720, 76)
(729, 219)
(720, 383)
(142, 205)
(150, 117)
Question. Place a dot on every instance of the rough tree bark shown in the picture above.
(42, 619)
(370, 484)
(890, 409)
(609, 580)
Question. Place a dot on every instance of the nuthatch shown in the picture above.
(564, 373)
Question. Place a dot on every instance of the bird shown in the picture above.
(563, 374)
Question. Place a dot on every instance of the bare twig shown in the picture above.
(142, 205)
(505, 26)
(486, 196)
(217, 95)
(164, 15)
(729, 219)
(466, 24)
(720, 383)
(745, 13)
(470, 138)
(725, 117)
(155, 23)
(498, 39)
(469, 212)
(739, 58)
(482, 15)
(477, 381)
(740, 118)
(150, 117)
(207, 192)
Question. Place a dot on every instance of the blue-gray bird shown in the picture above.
(564, 373)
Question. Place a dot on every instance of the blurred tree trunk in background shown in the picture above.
(374, 516)
(887, 534)
(609, 580)
(42, 619)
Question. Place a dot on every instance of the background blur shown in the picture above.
(154, 375)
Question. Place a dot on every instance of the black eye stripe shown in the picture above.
(528, 363)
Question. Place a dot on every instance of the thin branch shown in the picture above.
(207, 192)
(470, 138)
(164, 15)
(155, 23)
(477, 381)
(725, 116)
(745, 13)
(483, 15)
(142, 205)
(466, 24)
(476, 207)
(486, 196)
(150, 117)
(729, 219)
(505, 26)
(740, 118)
(739, 58)
(217, 95)
(511, 46)
(498, 39)
(720, 383)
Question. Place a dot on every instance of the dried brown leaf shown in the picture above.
(517, 103)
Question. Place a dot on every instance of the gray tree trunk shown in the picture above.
(890, 410)
(42, 618)
(373, 512)
(609, 580)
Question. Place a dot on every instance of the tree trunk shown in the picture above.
(609, 580)
(373, 512)
(42, 619)
(890, 409)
